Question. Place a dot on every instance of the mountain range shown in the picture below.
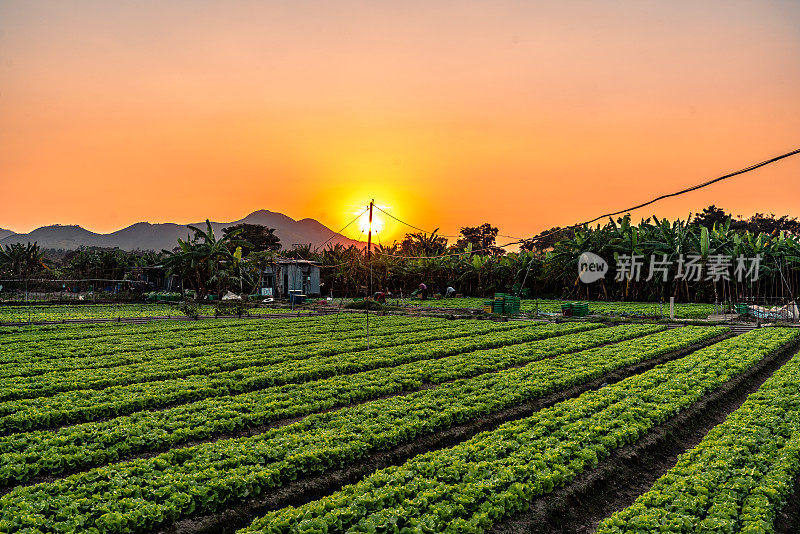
(164, 236)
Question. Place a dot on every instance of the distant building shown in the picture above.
(156, 278)
(287, 274)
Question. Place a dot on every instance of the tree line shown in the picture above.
(544, 266)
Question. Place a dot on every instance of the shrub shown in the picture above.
(189, 309)
(232, 307)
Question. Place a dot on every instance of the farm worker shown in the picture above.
(450, 292)
(380, 296)
(423, 290)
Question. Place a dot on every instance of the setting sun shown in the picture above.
(363, 222)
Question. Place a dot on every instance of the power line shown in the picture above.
(409, 224)
(426, 232)
(446, 254)
(681, 192)
(439, 235)
(391, 255)
(343, 229)
(668, 195)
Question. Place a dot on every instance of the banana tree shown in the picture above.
(204, 260)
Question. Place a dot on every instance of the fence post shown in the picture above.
(672, 308)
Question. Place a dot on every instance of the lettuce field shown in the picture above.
(306, 425)
(683, 310)
(43, 313)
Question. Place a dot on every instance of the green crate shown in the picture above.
(580, 309)
(488, 305)
(742, 309)
(512, 304)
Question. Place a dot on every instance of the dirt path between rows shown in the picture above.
(788, 519)
(631, 471)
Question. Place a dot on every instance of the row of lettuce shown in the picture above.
(247, 349)
(23, 314)
(683, 310)
(478, 483)
(81, 312)
(143, 494)
(54, 313)
(31, 344)
(78, 405)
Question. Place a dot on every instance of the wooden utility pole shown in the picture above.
(369, 245)
(369, 261)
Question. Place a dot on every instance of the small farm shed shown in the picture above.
(288, 274)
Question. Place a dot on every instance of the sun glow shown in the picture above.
(363, 221)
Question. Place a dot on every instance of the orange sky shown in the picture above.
(450, 113)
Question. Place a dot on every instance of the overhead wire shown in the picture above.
(341, 300)
(409, 224)
(438, 234)
(668, 195)
(343, 229)
(444, 255)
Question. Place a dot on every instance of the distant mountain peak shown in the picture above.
(159, 236)
(263, 212)
(267, 218)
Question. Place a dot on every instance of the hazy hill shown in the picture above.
(146, 236)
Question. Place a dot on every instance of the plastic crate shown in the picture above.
(741, 309)
(580, 309)
(488, 305)
(512, 304)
